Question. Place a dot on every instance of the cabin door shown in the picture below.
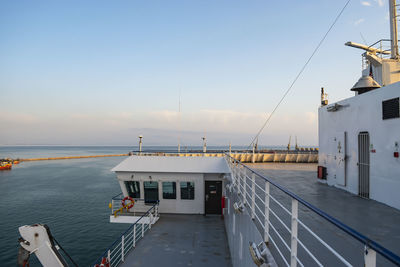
(363, 164)
(213, 197)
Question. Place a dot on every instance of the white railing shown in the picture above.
(275, 211)
(115, 254)
(139, 207)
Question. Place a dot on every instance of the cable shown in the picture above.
(298, 75)
(66, 253)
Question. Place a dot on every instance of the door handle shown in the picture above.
(206, 197)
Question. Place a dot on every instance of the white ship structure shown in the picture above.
(359, 136)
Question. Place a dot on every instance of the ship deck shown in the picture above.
(375, 220)
(183, 240)
(197, 240)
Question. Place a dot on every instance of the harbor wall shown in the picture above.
(282, 157)
(264, 157)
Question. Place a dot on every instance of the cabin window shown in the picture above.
(133, 188)
(169, 190)
(150, 192)
(187, 190)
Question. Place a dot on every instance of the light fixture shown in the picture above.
(229, 187)
(258, 253)
(238, 207)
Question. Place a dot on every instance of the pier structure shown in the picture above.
(281, 156)
(248, 157)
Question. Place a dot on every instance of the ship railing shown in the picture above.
(117, 209)
(275, 212)
(117, 251)
(383, 48)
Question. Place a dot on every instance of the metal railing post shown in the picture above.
(239, 176)
(150, 219)
(109, 256)
(142, 229)
(123, 248)
(266, 214)
(134, 235)
(244, 186)
(369, 257)
(253, 195)
(293, 248)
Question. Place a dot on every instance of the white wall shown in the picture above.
(178, 205)
(363, 113)
(240, 230)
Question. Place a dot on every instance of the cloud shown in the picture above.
(357, 22)
(365, 3)
(160, 127)
(311, 117)
(380, 2)
(16, 118)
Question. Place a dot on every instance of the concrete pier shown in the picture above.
(276, 156)
(75, 157)
(264, 157)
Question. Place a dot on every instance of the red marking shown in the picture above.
(373, 151)
(396, 154)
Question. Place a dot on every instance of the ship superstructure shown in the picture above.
(359, 136)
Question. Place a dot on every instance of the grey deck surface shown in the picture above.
(375, 220)
(183, 240)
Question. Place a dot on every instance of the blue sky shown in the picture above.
(103, 72)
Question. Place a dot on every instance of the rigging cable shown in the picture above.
(66, 253)
(298, 75)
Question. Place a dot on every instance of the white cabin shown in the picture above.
(189, 185)
(359, 144)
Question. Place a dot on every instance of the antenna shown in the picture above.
(393, 29)
(179, 123)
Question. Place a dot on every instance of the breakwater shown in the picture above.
(262, 157)
(76, 157)
(245, 157)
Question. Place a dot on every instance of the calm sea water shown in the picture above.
(70, 196)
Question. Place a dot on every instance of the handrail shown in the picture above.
(119, 238)
(389, 255)
(114, 197)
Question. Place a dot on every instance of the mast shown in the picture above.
(393, 29)
(179, 123)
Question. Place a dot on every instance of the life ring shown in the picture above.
(130, 205)
(104, 263)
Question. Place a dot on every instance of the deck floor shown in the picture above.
(375, 220)
(183, 240)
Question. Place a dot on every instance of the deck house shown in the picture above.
(188, 185)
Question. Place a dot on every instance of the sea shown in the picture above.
(70, 196)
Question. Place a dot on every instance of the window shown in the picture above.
(133, 188)
(169, 190)
(187, 190)
(390, 109)
(150, 192)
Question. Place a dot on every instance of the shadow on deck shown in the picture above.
(183, 240)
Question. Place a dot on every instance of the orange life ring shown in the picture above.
(130, 205)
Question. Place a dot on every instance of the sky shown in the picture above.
(104, 72)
